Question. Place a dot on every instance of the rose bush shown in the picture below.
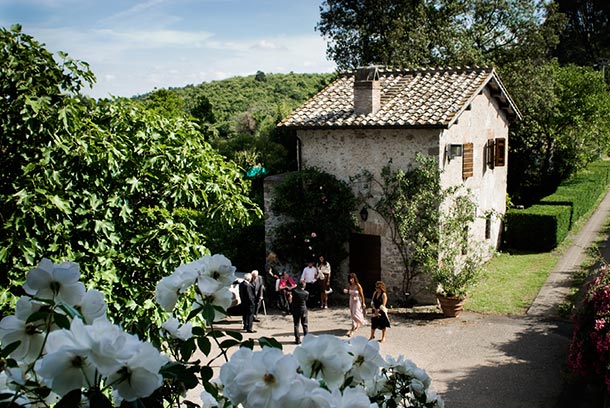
(61, 349)
(589, 354)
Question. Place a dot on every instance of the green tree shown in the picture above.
(565, 127)
(412, 33)
(38, 94)
(586, 37)
(165, 103)
(238, 115)
(115, 187)
(409, 204)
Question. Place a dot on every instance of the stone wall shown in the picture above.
(347, 153)
(272, 221)
(484, 120)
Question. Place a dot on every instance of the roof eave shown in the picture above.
(509, 104)
(322, 127)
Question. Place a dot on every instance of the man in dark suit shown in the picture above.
(248, 302)
(259, 288)
(298, 307)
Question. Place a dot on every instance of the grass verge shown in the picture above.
(511, 282)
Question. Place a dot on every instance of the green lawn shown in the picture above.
(511, 282)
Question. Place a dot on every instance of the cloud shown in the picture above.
(49, 3)
(156, 38)
(136, 10)
(132, 62)
(265, 45)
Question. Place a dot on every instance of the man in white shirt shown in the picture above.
(309, 277)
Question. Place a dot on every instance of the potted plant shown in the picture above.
(458, 268)
(454, 283)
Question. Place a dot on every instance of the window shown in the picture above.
(488, 227)
(495, 152)
(467, 161)
(500, 152)
(490, 153)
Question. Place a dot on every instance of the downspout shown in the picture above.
(299, 153)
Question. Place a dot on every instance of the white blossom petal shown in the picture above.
(58, 282)
(139, 377)
(172, 326)
(31, 338)
(93, 305)
(366, 358)
(65, 370)
(324, 357)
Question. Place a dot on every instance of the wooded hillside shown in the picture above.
(238, 115)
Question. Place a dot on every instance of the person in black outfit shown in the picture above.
(298, 307)
(248, 302)
(380, 320)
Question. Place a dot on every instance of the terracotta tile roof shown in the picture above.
(409, 98)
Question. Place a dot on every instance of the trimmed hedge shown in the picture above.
(543, 226)
(539, 227)
(582, 191)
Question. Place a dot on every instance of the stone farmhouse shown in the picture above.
(368, 117)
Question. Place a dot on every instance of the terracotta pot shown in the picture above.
(451, 306)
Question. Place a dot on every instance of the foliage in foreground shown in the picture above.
(588, 355)
(111, 185)
(59, 349)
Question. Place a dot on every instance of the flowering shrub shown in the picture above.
(589, 354)
(60, 349)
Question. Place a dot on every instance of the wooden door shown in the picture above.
(365, 260)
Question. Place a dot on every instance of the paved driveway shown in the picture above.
(474, 360)
(479, 360)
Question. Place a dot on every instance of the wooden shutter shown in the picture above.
(500, 154)
(467, 161)
(490, 153)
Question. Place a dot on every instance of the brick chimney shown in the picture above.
(367, 92)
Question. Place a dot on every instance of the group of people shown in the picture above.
(317, 280)
(357, 306)
(294, 298)
(251, 295)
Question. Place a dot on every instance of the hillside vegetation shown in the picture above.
(238, 115)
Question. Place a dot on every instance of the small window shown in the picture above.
(490, 153)
(467, 161)
(500, 152)
(488, 227)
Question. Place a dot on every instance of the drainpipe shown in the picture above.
(299, 154)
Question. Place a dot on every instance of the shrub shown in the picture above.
(550, 222)
(589, 355)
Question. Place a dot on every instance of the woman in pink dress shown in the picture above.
(357, 305)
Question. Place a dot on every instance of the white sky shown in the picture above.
(134, 46)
